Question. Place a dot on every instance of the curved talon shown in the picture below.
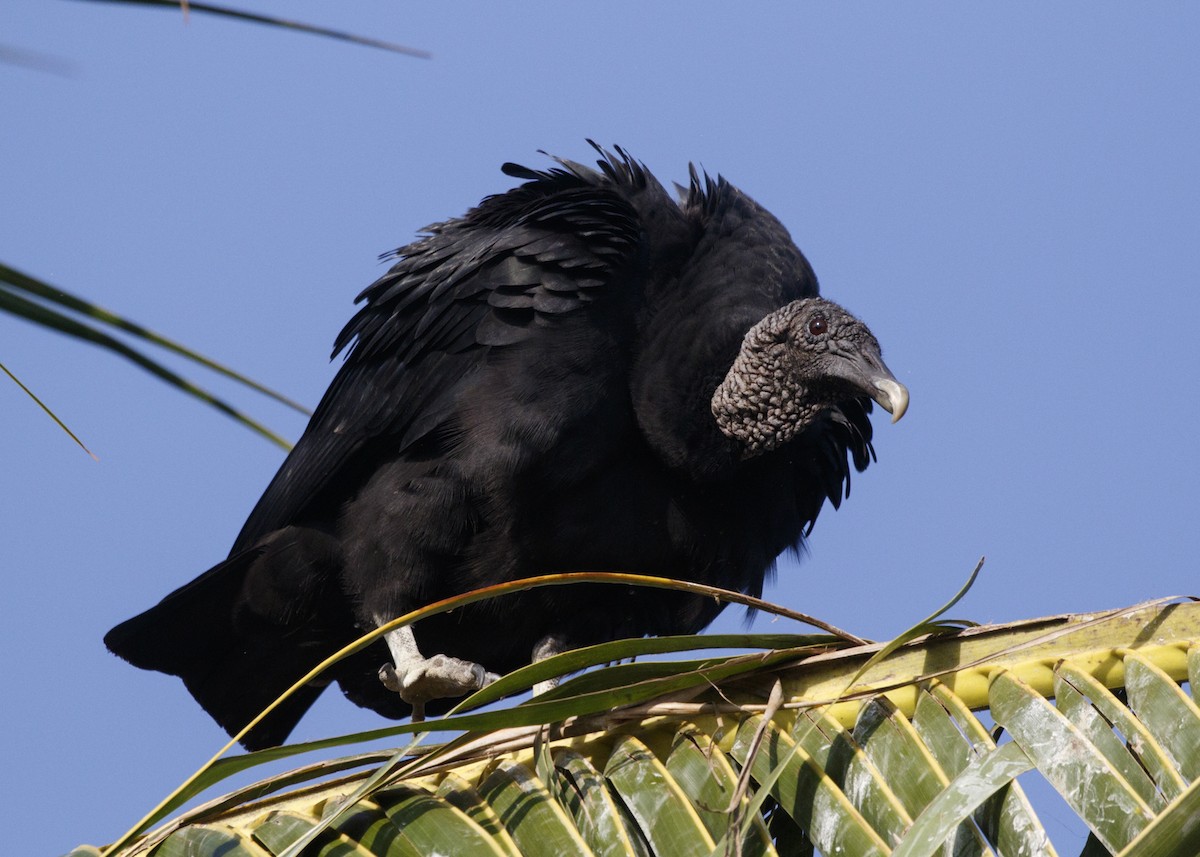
(439, 677)
(387, 675)
(419, 679)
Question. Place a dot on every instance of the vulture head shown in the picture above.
(799, 361)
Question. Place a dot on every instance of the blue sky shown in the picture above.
(1008, 194)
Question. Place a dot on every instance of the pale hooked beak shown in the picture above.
(866, 374)
(892, 396)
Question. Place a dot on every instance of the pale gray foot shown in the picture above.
(547, 647)
(419, 679)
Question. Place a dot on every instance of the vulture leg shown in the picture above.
(547, 647)
(419, 679)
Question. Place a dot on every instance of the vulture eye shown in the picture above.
(817, 325)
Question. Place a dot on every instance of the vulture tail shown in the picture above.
(236, 647)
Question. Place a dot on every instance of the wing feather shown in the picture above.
(490, 279)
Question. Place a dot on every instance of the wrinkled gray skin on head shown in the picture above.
(798, 361)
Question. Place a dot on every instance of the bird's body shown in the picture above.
(543, 385)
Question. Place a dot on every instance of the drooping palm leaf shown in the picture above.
(36, 301)
(580, 697)
(272, 21)
(900, 766)
(28, 392)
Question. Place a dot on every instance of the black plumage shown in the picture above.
(579, 374)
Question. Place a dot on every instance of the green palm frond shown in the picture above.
(250, 17)
(898, 764)
(36, 301)
(46, 408)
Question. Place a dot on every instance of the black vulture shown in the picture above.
(579, 374)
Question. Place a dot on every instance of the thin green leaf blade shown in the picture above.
(530, 814)
(806, 792)
(1076, 769)
(957, 739)
(663, 811)
(200, 839)
(428, 825)
(978, 782)
(602, 821)
(843, 759)
(910, 770)
(1087, 718)
(896, 750)
(364, 826)
(606, 653)
(1175, 832)
(47, 410)
(239, 15)
(466, 798)
(1151, 755)
(704, 774)
(281, 829)
(39, 314)
(1169, 714)
(925, 626)
(12, 278)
